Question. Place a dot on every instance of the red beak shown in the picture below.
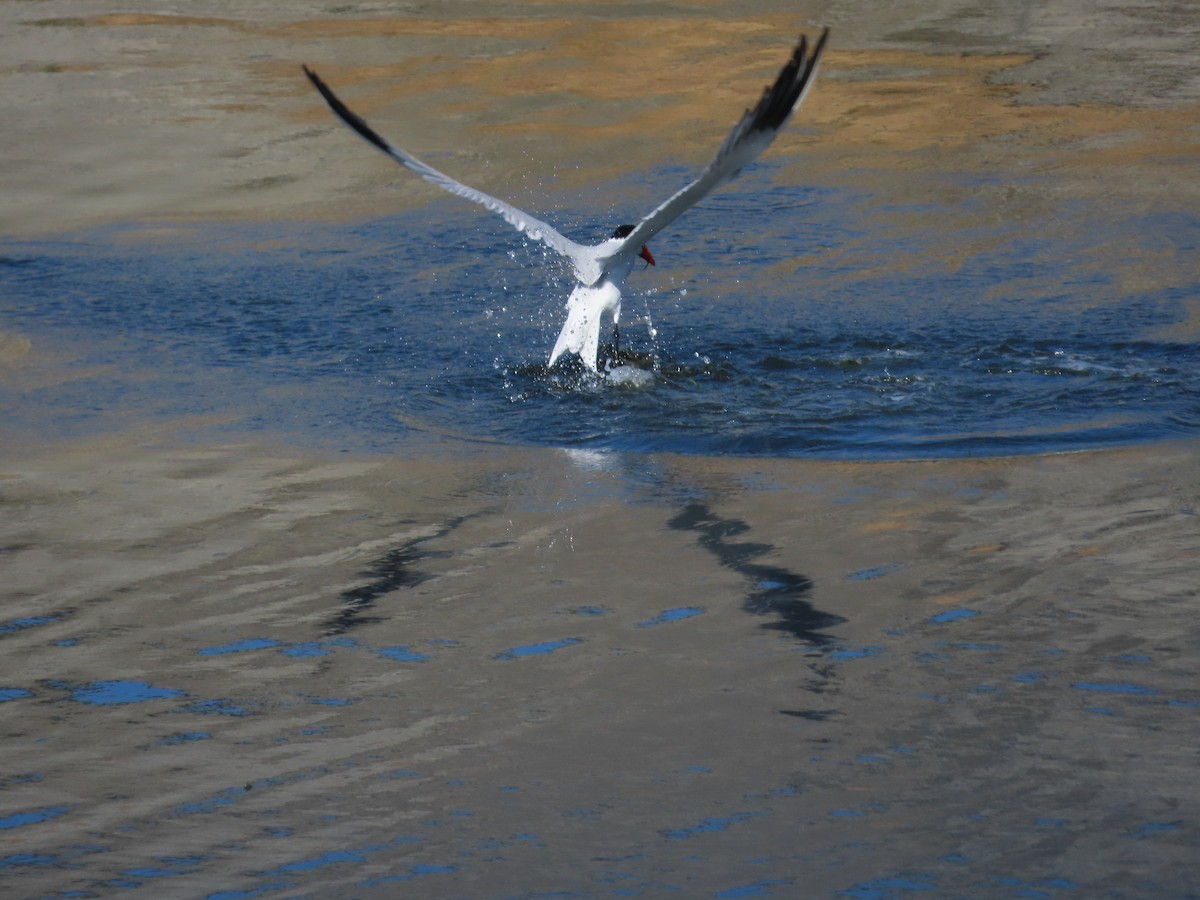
(647, 255)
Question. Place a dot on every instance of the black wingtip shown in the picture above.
(344, 112)
(781, 98)
(315, 79)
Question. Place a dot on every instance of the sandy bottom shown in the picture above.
(174, 111)
(475, 671)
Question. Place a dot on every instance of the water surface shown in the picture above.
(782, 320)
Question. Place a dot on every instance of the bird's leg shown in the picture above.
(616, 343)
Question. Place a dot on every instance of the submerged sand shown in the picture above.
(198, 110)
(245, 670)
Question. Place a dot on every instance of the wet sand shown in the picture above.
(482, 671)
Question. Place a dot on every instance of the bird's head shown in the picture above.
(623, 232)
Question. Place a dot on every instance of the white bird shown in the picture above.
(601, 269)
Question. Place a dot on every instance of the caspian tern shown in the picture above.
(601, 269)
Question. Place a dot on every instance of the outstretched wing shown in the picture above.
(583, 258)
(749, 137)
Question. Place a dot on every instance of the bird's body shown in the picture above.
(588, 304)
(602, 269)
(585, 308)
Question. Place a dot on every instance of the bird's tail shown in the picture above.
(581, 332)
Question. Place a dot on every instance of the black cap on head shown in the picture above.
(623, 231)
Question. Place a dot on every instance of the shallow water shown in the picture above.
(781, 320)
(588, 673)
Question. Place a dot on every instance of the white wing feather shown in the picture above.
(753, 133)
(582, 258)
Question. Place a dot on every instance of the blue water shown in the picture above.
(539, 649)
(782, 321)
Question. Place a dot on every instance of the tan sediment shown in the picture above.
(13, 347)
(512, 102)
(906, 102)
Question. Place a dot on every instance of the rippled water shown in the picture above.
(781, 320)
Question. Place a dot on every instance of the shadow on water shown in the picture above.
(395, 569)
(776, 591)
(812, 715)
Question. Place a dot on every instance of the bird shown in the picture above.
(601, 270)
